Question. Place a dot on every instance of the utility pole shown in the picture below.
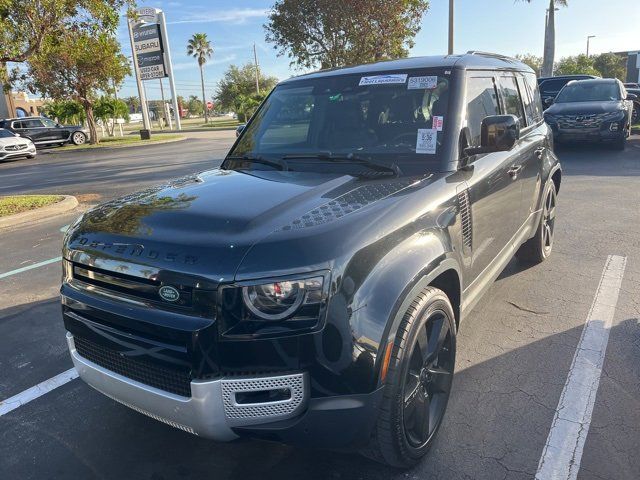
(145, 133)
(255, 60)
(588, 39)
(450, 27)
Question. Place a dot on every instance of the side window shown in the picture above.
(32, 124)
(49, 123)
(525, 93)
(511, 98)
(536, 102)
(482, 101)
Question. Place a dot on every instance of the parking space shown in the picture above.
(515, 350)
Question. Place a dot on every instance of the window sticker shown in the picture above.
(384, 79)
(427, 140)
(423, 83)
(437, 123)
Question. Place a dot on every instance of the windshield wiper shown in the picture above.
(392, 169)
(249, 158)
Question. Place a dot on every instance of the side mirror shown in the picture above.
(632, 96)
(548, 101)
(240, 129)
(498, 133)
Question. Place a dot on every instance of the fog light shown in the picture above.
(613, 127)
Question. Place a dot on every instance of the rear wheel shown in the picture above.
(538, 248)
(418, 382)
(78, 138)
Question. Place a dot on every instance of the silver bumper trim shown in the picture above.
(211, 410)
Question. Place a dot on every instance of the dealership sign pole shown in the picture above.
(145, 133)
(151, 49)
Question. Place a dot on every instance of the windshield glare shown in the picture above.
(386, 118)
(589, 92)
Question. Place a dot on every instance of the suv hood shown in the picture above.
(12, 140)
(583, 108)
(205, 224)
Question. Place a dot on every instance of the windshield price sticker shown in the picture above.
(437, 123)
(383, 79)
(423, 83)
(427, 141)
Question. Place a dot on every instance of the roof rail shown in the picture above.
(488, 54)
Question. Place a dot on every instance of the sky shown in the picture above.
(502, 26)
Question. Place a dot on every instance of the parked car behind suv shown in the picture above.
(551, 86)
(592, 110)
(44, 131)
(310, 289)
(14, 146)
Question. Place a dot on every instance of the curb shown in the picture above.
(142, 143)
(68, 203)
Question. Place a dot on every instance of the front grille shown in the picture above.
(167, 379)
(581, 121)
(138, 288)
(16, 148)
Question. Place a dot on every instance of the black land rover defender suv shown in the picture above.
(309, 290)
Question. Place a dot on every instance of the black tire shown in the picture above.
(635, 114)
(403, 434)
(538, 248)
(621, 143)
(78, 138)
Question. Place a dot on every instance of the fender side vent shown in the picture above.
(465, 216)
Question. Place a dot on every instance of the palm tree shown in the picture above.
(550, 37)
(199, 47)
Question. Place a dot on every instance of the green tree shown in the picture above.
(533, 61)
(77, 66)
(330, 34)
(200, 48)
(26, 26)
(133, 103)
(64, 111)
(579, 64)
(611, 65)
(237, 90)
(195, 106)
(108, 110)
(550, 36)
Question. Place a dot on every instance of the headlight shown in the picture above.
(279, 300)
(274, 306)
(612, 116)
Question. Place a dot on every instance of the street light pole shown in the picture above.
(450, 27)
(588, 39)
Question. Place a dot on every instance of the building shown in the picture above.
(18, 104)
(633, 67)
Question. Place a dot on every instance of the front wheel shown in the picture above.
(538, 248)
(418, 382)
(78, 138)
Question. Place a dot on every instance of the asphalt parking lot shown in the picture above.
(515, 351)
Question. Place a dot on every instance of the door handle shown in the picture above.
(539, 152)
(514, 171)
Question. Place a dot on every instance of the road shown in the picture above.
(515, 349)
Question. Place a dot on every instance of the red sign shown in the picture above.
(209, 105)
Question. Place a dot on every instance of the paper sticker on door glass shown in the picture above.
(437, 123)
(427, 140)
(384, 79)
(422, 83)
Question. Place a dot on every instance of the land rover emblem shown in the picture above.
(169, 293)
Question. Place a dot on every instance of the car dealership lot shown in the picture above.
(515, 350)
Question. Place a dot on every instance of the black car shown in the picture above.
(635, 116)
(44, 131)
(551, 86)
(309, 290)
(592, 110)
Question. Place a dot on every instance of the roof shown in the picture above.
(597, 80)
(564, 77)
(38, 117)
(470, 61)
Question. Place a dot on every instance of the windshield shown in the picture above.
(394, 118)
(589, 92)
(6, 134)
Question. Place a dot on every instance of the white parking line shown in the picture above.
(30, 267)
(563, 450)
(36, 391)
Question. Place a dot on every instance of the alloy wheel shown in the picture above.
(548, 220)
(79, 138)
(428, 380)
